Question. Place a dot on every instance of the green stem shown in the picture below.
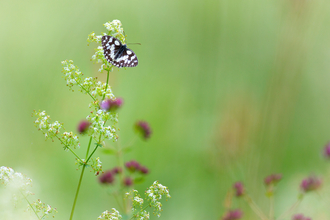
(271, 207)
(255, 207)
(89, 145)
(292, 208)
(77, 192)
(86, 91)
(81, 176)
(30, 205)
(67, 146)
(106, 87)
(92, 153)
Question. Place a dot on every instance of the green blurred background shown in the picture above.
(233, 90)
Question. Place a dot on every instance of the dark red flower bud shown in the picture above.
(107, 177)
(83, 126)
(143, 128)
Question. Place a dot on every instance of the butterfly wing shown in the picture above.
(127, 59)
(112, 46)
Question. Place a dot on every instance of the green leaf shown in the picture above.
(108, 151)
(139, 180)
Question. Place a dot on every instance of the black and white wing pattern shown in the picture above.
(117, 53)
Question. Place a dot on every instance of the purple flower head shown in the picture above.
(83, 126)
(239, 188)
(326, 151)
(144, 128)
(144, 170)
(107, 177)
(300, 217)
(111, 105)
(273, 179)
(310, 184)
(116, 170)
(132, 166)
(128, 181)
(233, 215)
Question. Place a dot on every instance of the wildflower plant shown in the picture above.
(309, 184)
(20, 186)
(100, 127)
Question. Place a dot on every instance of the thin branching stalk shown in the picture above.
(292, 208)
(255, 207)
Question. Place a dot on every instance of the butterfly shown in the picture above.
(117, 53)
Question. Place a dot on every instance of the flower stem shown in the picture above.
(271, 207)
(255, 207)
(77, 192)
(81, 176)
(292, 208)
(30, 205)
(106, 87)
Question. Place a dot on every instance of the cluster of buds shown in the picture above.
(143, 128)
(111, 104)
(233, 215)
(300, 217)
(108, 177)
(134, 166)
(312, 183)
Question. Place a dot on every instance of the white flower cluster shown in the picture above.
(98, 128)
(116, 30)
(72, 74)
(9, 176)
(69, 139)
(106, 215)
(42, 209)
(90, 85)
(19, 184)
(154, 194)
(51, 130)
(142, 215)
(96, 165)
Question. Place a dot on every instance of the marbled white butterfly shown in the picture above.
(117, 53)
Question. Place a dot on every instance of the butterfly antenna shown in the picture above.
(134, 43)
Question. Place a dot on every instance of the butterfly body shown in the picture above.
(117, 53)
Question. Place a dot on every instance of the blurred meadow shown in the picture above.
(233, 90)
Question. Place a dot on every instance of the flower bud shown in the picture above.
(326, 151)
(310, 184)
(132, 166)
(144, 170)
(128, 181)
(273, 179)
(300, 217)
(83, 126)
(239, 188)
(143, 128)
(111, 105)
(107, 177)
(233, 215)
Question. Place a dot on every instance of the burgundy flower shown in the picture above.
(233, 215)
(144, 170)
(107, 177)
(144, 128)
(111, 105)
(326, 151)
(310, 184)
(128, 181)
(83, 126)
(273, 179)
(300, 217)
(116, 170)
(239, 188)
(132, 166)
